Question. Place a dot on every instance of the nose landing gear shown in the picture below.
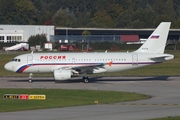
(30, 77)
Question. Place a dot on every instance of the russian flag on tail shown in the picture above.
(154, 37)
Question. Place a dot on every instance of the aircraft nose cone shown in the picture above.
(8, 67)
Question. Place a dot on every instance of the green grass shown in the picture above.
(56, 98)
(168, 68)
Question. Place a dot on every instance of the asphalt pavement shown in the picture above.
(165, 101)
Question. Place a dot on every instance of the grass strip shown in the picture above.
(56, 98)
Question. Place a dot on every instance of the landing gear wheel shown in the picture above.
(86, 79)
(30, 77)
(30, 80)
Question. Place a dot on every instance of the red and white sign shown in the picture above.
(23, 96)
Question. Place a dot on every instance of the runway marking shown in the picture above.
(144, 104)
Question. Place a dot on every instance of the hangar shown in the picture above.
(106, 34)
(21, 33)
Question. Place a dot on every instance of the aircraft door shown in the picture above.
(134, 59)
(30, 60)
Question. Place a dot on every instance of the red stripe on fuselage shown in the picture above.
(24, 68)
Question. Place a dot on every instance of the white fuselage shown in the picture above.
(87, 62)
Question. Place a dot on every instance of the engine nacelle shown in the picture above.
(62, 74)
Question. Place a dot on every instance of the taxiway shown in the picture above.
(165, 101)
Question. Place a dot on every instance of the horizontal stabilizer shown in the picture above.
(162, 58)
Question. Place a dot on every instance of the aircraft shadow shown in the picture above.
(98, 79)
(154, 78)
(35, 79)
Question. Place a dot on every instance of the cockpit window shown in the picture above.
(16, 60)
(13, 59)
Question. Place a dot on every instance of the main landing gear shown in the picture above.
(86, 79)
(30, 77)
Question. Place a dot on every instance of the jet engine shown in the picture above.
(62, 74)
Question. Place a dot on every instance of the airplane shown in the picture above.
(20, 46)
(65, 65)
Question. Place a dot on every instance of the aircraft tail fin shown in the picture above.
(157, 40)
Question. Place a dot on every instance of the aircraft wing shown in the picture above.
(88, 68)
(94, 65)
(92, 68)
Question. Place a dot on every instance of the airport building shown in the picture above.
(108, 35)
(21, 33)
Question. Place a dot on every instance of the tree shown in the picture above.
(17, 12)
(37, 40)
(164, 10)
(114, 10)
(90, 13)
(61, 18)
(7, 11)
(177, 16)
(143, 18)
(86, 32)
(169, 11)
(25, 12)
(103, 19)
